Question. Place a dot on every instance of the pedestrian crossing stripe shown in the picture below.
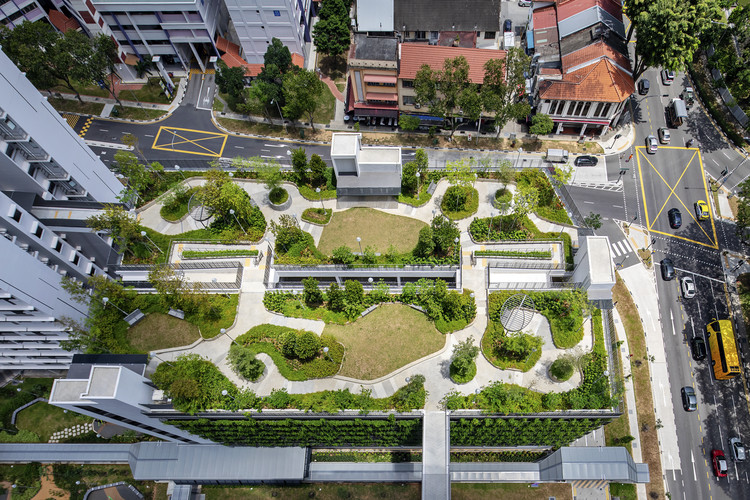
(71, 119)
(196, 71)
(620, 248)
(85, 127)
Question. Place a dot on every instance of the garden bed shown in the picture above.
(531, 254)
(460, 210)
(319, 216)
(215, 254)
(161, 331)
(395, 457)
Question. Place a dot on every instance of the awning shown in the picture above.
(385, 113)
(380, 79)
(428, 118)
(530, 39)
(381, 96)
(580, 122)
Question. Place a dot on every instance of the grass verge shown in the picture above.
(320, 491)
(161, 331)
(418, 200)
(508, 491)
(74, 106)
(320, 216)
(43, 419)
(135, 113)
(388, 338)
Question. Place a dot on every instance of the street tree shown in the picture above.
(500, 90)
(444, 233)
(259, 98)
(278, 55)
(331, 32)
(28, 45)
(317, 170)
(230, 80)
(302, 93)
(592, 220)
(120, 224)
(103, 62)
(408, 123)
(541, 124)
(299, 164)
(743, 209)
(269, 172)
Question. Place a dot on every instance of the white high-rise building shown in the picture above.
(50, 182)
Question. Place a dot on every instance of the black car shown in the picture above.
(508, 26)
(586, 161)
(698, 346)
(675, 218)
(644, 86)
(689, 401)
(667, 270)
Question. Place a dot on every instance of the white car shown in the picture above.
(688, 287)
(664, 135)
(652, 144)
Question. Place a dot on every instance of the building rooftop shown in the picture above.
(344, 144)
(374, 48)
(447, 15)
(600, 82)
(600, 260)
(103, 381)
(67, 390)
(569, 8)
(545, 18)
(572, 61)
(375, 15)
(380, 154)
(414, 55)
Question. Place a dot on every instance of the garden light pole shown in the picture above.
(105, 300)
(177, 167)
(225, 392)
(145, 235)
(418, 176)
(518, 158)
(489, 226)
(359, 241)
(154, 355)
(369, 281)
(325, 352)
(231, 212)
(317, 190)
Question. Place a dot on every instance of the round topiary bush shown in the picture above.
(278, 195)
(307, 345)
(465, 376)
(503, 198)
(562, 369)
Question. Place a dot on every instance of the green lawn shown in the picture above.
(377, 229)
(487, 491)
(44, 420)
(209, 329)
(326, 107)
(161, 331)
(132, 113)
(74, 106)
(321, 491)
(388, 338)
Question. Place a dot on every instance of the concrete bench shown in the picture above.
(177, 313)
(431, 188)
(134, 317)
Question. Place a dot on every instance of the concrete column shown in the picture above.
(398, 281)
(197, 57)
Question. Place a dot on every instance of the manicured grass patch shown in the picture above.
(74, 106)
(497, 456)
(321, 491)
(131, 113)
(44, 419)
(161, 331)
(518, 351)
(209, 328)
(396, 457)
(278, 195)
(209, 254)
(377, 229)
(623, 491)
(510, 491)
(293, 306)
(457, 211)
(550, 207)
(11, 398)
(90, 475)
(416, 201)
(533, 254)
(310, 194)
(386, 339)
(317, 215)
(326, 107)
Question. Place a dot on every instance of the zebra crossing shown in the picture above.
(620, 248)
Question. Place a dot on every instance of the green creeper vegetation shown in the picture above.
(175, 202)
(497, 456)
(463, 366)
(25, 477)
(317, 215)
(324, 432)
(320, 491)
(209, 254)
(532, 254)
(562, 368)
(395, 457)
(489, 431)
(548, 205)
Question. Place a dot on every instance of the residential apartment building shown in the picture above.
(373, 77)
(50, 182)
(582, 75)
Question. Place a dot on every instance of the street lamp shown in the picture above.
(105, 300)
(317, 190)
(455, 240)
(225, 392)
(145, 235)
(369, 280)
(489, 226)
(359, 241)
(518, 158)
(418, 176)
(231, 212)
(177, 167)
(634, 219)
(279, 108)
(325, 352)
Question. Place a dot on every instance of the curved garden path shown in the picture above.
(434, 367)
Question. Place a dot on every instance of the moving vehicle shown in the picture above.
(723, 347)
(688, 96)
(586, 161)
(524, 3)
(557, 155)
(644, 86)
(667, 270)
(698, 346)
(719, 462)
(664, 135)
(687, 285)
(701, 210)
(676, 113)
(652, 144)
(737, 449)
(689, 401)
(667, 76)
(675, 218)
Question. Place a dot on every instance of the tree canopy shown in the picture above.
(500, 91)
(230, 80)
(302, 92)
(331, 33)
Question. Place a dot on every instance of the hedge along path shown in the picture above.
(390, 337)
(377, 229)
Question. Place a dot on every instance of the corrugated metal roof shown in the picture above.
(365, 472)
(447, 15)
(62, 452)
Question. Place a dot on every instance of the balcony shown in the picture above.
(52, 171)
(29, 153)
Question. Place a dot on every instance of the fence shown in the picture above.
(517, 263)
(216, 286)
(554, 285)
(269, 261)
(613, 359)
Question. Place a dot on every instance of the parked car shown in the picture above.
(689, 401)
(719, 462)
(687, 285)
(524, 3)
(586, 161)
(667, 76)
(644, 86)
(675, 218)
(508, 26)
(737, 449)
(664, 135)
(652, 144)
(667, 270)
(701, 210)
(698, 346)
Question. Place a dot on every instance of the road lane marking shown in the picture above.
(699, 274)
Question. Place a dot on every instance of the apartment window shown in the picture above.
(58, 245)
(586, 109)
(579, 107)
(408, 100)
(489, 35)
(16, 215)
(407, 84)
(420, 34)
(75, 259)
(38, 231)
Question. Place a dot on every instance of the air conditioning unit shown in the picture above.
(44, 260)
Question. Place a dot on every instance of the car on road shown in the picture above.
(524, 3)
(687, 285)
(664, 135)
(508, 26)
(586, 161)
(675, 218)
(689, 401)
(701, 210)
(652, 144)
(737, 449)
(644, 86)
(719, 462)
(667, 76)
(698, 346)
(667, 270)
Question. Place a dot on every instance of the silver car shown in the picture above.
(687, 285)
(664, 135)
(652, 144)
(737, 449)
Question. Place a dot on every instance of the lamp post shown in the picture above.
(105, 300)
(325, 352)
(359, 241)
(418, 176)
(225, 392)
(317, 190)
(518, 158)
(635, 218)
(273, 101)
(369, 281)
(145, 235)
(177, 167)
(455, 241)
(489, 226)
(231, 212)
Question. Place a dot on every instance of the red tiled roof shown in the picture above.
(593, 52)
(600, 82)
(298, 60)
(569, 8)
(234, 61)
(414, 55)
(225, 45)
(545, 18)
(62, 22)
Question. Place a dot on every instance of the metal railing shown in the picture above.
(613, 358)
(554, 285)
(564, 195)
(516, 263)
(269, 261)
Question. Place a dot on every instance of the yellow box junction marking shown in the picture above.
(190, 141)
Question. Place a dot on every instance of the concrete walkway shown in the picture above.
(251, 312)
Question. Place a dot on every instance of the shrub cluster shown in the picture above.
(208, 254)
(550, 207)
